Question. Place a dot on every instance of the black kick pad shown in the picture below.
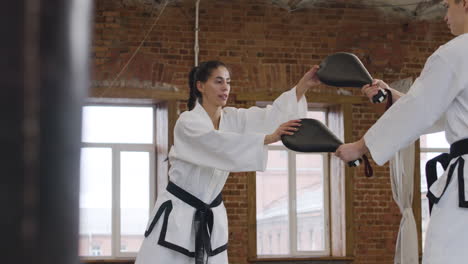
(312, 136)
(343, 69)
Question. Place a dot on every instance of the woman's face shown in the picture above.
(215, 90)
(455, 16)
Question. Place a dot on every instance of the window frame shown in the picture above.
(421, 151)
(340, 121)
(116, 150)
(292, 200)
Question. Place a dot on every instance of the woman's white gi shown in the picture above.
(201, 160)
(438, 96)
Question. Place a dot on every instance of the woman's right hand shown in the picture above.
(287, 128)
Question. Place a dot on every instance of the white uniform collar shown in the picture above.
(199, 110)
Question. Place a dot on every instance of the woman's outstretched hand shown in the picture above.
(287, 128)
(307, 81)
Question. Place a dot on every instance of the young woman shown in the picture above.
(189, 222)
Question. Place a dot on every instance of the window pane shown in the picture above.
(435, 140)
(273, 206)
(134, 198)
(425, 156)
(111, 124)
(95, 202)
(310, 202)
(319, 115)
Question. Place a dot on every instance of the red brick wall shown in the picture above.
(268, 49)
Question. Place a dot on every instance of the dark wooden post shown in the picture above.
(44, 80)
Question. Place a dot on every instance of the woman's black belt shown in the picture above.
(457, 150)
(203, 222)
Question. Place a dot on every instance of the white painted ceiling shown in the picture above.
(412, 9)
(417, 9)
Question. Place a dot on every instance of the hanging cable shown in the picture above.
(196, 47)
(136, 50)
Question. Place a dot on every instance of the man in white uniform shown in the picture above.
(438, 96)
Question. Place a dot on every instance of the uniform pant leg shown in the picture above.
(447, 232)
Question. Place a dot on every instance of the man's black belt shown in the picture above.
(457, 150)
(203, 220)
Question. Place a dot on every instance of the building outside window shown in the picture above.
(96, 250)
(292, 202)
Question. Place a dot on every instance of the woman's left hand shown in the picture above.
(310, 78)
(307, 81)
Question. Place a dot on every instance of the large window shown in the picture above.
(431, 146)
(117, 179)
(292, 202)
